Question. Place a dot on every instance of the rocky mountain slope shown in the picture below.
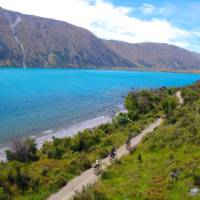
(51, 43)
(31, 41)
(157, 55)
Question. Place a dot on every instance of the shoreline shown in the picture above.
(125, 69)
(73, 129)
(69, 131)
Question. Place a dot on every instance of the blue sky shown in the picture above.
(175, 22)
(183, 14)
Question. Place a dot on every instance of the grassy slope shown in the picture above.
(174, 147)
(49, 174)
(67, 168)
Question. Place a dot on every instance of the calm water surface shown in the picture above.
(33, 101)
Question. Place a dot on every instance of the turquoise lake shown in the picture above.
(36, 100)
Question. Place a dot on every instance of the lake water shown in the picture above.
(36, 101)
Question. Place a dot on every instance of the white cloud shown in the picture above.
(147, 8)
(104, 19)
(196, 33)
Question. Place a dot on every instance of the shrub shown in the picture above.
(21, 179)
(143, 102)
(83, 141)
(169, 104)
(45, 170)
(99, 196)
(108, 142)
(22, 151)
(122, 119)
(52, 152)
(57, 183)
(83, 195)
(197, 180)
(103, 153)
(3, 195)
(190, 95)
(107, 175)
(60, 181)
(84, 162)
(88, 194)
(107, 128)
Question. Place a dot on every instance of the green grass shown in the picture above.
(150, 179)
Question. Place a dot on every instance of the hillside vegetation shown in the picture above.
(35, 174)
(165, 166)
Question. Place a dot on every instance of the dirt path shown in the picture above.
(88, 177)
(180, 98)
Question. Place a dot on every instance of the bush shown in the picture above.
(80, 164)
(88, 194)
(3, 196)
(197, 180)
(99, 196)
(84, 162)
(52, 151)
(122, 119)
(83, 195)
(103, 153)
(106, 128)
(169, 104)
(45, 170)
(18, 176)
(190, 95)
(21, 179)
(83, 141)
(22, 151)
(107, 175)
(60, 181)
(142, 102)
(57, 183)
(134, 129)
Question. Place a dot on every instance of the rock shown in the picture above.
(174, 175)
(194, 191)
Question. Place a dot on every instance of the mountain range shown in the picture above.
(30, 41)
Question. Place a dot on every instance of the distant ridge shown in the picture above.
(157, 55)
(31, 41)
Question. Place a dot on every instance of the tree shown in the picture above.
(22, 151)
(131, 105)
(169, 104)
(122, 119)
(140, 103)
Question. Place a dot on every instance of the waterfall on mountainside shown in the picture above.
(13, 26)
